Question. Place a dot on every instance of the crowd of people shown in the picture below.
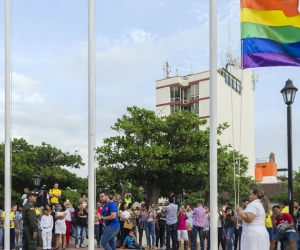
(253, 225)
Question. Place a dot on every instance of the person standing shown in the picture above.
(60, 226)
(150, 227)
(12, 226)
(160, 224)
(46, 227)
(81, 224)
(171, 221)
(24, 196)
(255, 234)
(189, 224)
(111, 222)
(96, 227)
(99, 210)
(42, 199)
(29, 223)
(198, 225)
(55, 194)
(239, 226)
(142, 216)
(69, 211)
(181, 229)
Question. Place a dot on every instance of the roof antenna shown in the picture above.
(177, 55)
(167, 69)
(191, 63)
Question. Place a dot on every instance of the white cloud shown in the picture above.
(139, 35)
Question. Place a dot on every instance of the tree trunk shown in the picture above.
(153, 190)
(207, 198)
(123, 187)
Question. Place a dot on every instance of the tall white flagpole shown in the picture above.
(91, 120)
(7, 171)
(213, 124)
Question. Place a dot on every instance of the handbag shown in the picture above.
(128, 224)
(189, 228)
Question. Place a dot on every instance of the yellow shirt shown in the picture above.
(268, 220)
(54, 199)
(285, 210)
(37, 212)
(12, 217)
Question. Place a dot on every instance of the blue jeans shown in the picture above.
(271, 233)
(108, 240)
(238, 236)
(79, 232)
(134, 246)
(150, 228)
(96, 228)
(20, 239)
(197, 230)
(172, 232)
(229, 236)
(1, 236)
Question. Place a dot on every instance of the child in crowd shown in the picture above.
(46, 227)
(130, 240)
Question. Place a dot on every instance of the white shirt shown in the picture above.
(47, 223)
(68, 212)
(125, 214)
(24, 198)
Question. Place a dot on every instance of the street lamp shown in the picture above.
(100, 188)
(289, 93)
(37, 180)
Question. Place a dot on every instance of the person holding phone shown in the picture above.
(229, 220)
(150, 227)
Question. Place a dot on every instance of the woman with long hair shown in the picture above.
(60, 226)
(124, 216)
(206, 226)
(255, 234)
(229, 220)
(150, 227)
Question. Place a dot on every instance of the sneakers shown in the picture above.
(82, 246)
(76, 246)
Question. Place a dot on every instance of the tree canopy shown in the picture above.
(167, 154)
(51, 163)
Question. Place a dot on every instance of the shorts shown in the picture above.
(291, 236)
(182, 234)
(206, 229)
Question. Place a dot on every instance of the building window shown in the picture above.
(188, 108)
(195, 91)
(195, 107)
(175, 93)
(231, 81)
(174, 108)
(185, 95)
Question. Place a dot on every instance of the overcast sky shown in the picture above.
(133, 38)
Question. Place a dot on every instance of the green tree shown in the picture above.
(165, 154)
(51, 163)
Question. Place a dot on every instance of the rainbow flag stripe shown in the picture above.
(270, 33)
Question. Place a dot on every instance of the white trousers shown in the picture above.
(47, 238)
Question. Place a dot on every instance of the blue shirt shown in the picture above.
(171, 213)
(107, 209)
(129, 240)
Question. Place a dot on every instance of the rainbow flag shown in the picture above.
(270, 32)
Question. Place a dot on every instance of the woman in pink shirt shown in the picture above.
(181, 229)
